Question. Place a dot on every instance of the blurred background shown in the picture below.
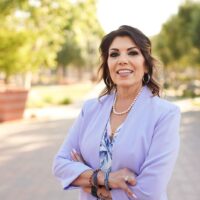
(48, 67)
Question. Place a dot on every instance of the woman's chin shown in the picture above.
(125, 85)
(128, 84)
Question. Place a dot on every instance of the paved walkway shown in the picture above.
(27, 149)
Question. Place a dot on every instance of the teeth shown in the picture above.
(124, 71)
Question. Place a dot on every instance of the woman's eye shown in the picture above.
(132, 53)
(114, 54)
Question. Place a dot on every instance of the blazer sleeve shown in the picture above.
(64, 168)
(157, 168)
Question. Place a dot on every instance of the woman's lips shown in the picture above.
(124, 72)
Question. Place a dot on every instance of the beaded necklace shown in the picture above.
(128, 109)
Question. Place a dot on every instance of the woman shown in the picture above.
(125, 143)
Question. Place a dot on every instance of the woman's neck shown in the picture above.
(128, 92)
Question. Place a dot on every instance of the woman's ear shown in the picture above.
(146, 71)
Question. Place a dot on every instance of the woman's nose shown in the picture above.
(123, 59)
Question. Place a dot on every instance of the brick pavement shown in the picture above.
(28, 147)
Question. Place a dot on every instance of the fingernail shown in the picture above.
(74, 150)
(134, 196)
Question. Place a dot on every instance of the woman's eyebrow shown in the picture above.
(114, 49)
(130, 48)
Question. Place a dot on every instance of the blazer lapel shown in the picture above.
(96, 129)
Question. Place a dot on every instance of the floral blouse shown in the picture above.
(106, 146)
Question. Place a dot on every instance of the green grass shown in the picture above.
(196, 102)
(42, 96)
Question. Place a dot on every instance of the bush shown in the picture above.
(65, 101)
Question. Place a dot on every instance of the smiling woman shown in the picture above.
(127, 61)
(124, 144)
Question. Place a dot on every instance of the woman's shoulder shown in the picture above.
(164, 105)
(157, 104)
(95, 103)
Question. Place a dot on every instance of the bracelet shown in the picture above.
(94, 182)
(90, 180)
(106, 177)
(94, 191)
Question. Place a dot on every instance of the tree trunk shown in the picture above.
(7, 79)
(60, 74)
(80, 73)
(27, 79)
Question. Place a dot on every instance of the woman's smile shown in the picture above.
(124, 72)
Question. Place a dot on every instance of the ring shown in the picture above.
(126, 178)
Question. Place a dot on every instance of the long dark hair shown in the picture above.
(143, 43)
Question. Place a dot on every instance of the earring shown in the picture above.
(106, 80)
(146, 78)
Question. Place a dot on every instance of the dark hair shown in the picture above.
(143, 43)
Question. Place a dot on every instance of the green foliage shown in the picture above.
(8, 6)
(178, 43)
(70, 52)
(189, 94)
(36, 30)
(65, 101)
(11, 51)
(82, 36)
(33, 32)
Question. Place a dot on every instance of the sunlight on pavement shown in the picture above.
(15, 140)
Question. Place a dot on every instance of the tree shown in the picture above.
(36, 28)
(178, 43)
(82, 37)
(13, 51)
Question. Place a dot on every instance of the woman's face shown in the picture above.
(126, 62)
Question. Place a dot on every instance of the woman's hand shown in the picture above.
(117, 180)
(76, 157)
(121, 179)
(101, 193)
(104, 194)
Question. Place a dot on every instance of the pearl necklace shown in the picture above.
(128, 109)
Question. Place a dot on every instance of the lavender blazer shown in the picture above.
(148, 145)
